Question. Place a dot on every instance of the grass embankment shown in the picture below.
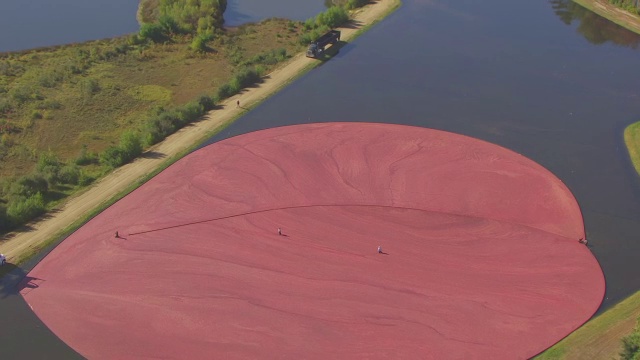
(632, 140)
(600, 338)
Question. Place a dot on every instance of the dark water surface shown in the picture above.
(549, 80)
(27, 24)
(545, 79)
(244, 11)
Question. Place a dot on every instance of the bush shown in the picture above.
(130, 146)
(199, 43)
(169, 25)
(20, 211)
(333, 17)
(206, 102)
(69, 174)
(188, 14)
(112, 157)
(152, 32)
(85, 157)
(226, 91)
(49, 167)
(189, 112)
(354, 4)
(157, 128)
(269, 58)
(28, 186)
(5, 222)
(631, 345)
(89, 86)
(85, 179)
(49, 105)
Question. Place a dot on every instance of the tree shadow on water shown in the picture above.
(13, 279)
(595, 28)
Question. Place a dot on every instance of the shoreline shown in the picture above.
(54, 226)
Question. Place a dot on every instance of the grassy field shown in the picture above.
(86, 95)
(76, 101)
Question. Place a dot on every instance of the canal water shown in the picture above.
(245, 11)
(27, 24)
(38, 23)
(547, 79)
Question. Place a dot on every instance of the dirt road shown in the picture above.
(16, 244)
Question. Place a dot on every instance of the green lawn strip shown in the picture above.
(632, 140)
(579, 341)
(633, 26)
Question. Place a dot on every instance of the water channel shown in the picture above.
(547, 79)
(39, 23)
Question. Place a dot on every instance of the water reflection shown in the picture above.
(246, 11)
(596, 29)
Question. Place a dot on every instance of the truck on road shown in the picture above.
(316, 48)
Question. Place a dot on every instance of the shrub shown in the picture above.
(5, 106)
(48, 166)
(5, 222)
(112, 157)
(50, 79)
(157, 128)
(269, 58)
(226, 91)
(631, 345)
(85, 157)
(85, 179)
(199, 44)
(130, 146)
(353, 4)
(189, 112)
(152, 32)
(169, 25)
(28, 185)
(187, 14)
(49, 105)
(23, 93)
(69, 174)
(206, 102)
(20, 211)
(89, 86)
(333, 17)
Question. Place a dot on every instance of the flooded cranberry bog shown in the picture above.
(543, 80)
